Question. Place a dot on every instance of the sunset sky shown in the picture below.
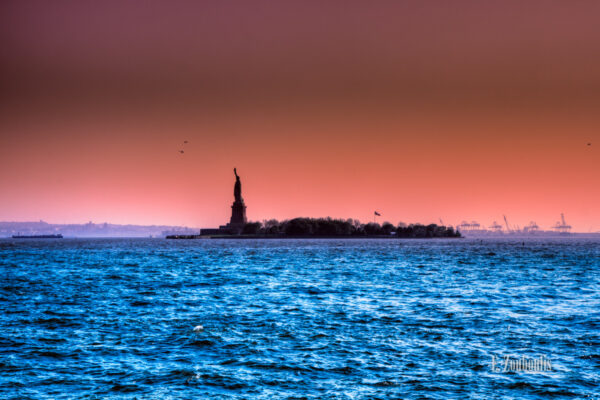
(421, 110)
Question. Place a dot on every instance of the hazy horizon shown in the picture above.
(380, 220)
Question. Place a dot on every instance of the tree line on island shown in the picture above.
(328, 227)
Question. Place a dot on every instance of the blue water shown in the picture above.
(293, 319)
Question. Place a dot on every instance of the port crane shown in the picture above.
(507, 226)
(496, 227)
(561, 226)
(469, 226)
(531, 228)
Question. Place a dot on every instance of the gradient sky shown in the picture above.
(462, 110)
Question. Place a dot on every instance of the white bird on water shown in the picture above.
(198, 328)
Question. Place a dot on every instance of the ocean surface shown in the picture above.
(299, 319)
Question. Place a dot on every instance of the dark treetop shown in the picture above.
(328, 227)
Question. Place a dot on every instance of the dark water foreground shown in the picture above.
(314, 319)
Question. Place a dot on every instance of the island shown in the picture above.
(239, 227)
(351, 228)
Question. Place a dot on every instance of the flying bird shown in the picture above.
(185, 141)
(181, 151)
(589, 144)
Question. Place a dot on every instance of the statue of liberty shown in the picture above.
(237, 189)
(238, 208)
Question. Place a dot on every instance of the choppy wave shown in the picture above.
(314, 319)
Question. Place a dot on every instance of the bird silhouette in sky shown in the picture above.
(181, 151)
(589, 144)
(185, 141)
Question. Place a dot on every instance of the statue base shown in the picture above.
(238, 214)
(238, 220)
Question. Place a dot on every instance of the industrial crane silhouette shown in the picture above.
(469, 226)
(496, 227)
(507, 227)
(531, 228)
(561, 226)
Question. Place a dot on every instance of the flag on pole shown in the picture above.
(376, 213)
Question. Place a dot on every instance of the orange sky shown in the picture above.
(452, 110)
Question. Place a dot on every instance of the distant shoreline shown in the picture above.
(574, 235)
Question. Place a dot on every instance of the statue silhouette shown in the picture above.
(238, 208)
(237, 189)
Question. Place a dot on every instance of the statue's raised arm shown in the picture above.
(235, 172)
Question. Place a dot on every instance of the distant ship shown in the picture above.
(59, 236)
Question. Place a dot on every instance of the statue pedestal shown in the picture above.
(238, 219)
(238, 213)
